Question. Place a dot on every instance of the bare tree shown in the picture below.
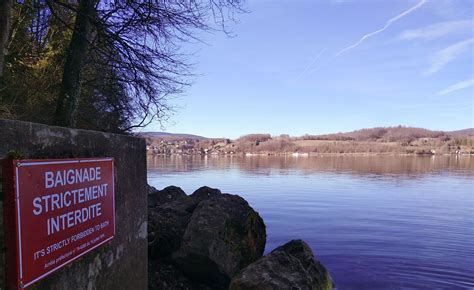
(5, 18)
(137, 44)
(68, 99)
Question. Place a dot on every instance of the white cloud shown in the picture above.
(387, 25)
(437, 30)
(457, 86)
(448, 54)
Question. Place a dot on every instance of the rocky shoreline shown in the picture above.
(214, 240)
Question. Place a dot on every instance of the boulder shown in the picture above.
(223, 236)
(150, 189)
(291, 266)
(168, 194)
(163, 275)
(167, 221)
(204, 193)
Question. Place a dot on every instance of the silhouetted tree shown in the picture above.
(103, 65)
(69, 93)
(137, 42)
(5, 18)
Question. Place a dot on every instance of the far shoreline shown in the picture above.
(311, 154)
(375, 141)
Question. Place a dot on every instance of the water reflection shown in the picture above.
(359, 165)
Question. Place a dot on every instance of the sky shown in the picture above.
(325, 66)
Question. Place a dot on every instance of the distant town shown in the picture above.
(384, 140)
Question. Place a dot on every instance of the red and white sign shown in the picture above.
(62, 210)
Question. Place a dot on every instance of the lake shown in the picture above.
(375, 222)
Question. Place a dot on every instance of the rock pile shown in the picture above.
(291, 266)
(210, 240)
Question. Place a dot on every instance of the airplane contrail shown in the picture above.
(311, 64)
(387, 25)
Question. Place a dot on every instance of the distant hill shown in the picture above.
(171, 136)
(381, 140)
(390, 134)
(386, 134)
(464, 132)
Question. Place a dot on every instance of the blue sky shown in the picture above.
(310, 66)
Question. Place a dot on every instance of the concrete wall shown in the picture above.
(121, 263)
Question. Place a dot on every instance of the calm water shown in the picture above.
(377, 222)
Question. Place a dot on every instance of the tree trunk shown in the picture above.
(5, 13)
(69, 93)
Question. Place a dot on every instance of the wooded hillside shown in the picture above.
(399, 140)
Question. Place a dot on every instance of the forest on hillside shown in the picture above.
(386, 140)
